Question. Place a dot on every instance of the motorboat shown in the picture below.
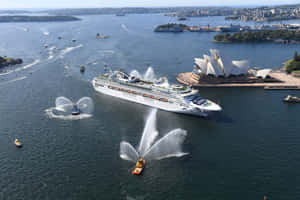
(291, 99)
(18, 143)
(139, 167)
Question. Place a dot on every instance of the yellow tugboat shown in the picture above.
(18, 143)
(140, 165)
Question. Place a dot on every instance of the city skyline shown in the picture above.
(18, 4)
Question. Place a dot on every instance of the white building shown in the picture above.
(216, 65)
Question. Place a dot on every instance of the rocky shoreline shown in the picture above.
(5, 61)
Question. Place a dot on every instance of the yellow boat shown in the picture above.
(140, 165)
(18, 143)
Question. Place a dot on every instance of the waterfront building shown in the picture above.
(216, 65)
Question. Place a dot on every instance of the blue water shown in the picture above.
(249, 150)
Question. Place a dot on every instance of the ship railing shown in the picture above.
(166, 95)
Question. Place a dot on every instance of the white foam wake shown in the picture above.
(124, 27)
(51, 52)
(50, 112)
(21, 68)
(68, 50)
(6, 72)
(37, 61)
(14, 80)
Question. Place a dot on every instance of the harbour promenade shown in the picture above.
(285, 82)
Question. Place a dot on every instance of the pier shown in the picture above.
(284, 82)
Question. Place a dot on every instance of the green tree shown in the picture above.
(296, 56)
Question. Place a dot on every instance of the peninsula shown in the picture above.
(171, 28)
(278, 36)
(25, 18)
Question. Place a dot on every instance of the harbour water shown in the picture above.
(249, 150)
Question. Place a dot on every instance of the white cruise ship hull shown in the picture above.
(167, 106)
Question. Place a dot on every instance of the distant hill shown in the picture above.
(24, 18)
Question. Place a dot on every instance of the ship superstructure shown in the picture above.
(158, 94)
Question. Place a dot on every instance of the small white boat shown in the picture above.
(291, 99)
(18, 143)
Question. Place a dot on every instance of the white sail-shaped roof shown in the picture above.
(201, 64)
(210, 69)
(263, 73)
(240, 67)
(226, 65)
(212, 62)
(217, 65)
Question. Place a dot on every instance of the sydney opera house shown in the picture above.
(214, 66)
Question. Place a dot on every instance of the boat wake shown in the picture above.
(51, 113)
(107, 52)
(35, 62)
(51, 52)
(13, 80)
(22, 29)
(68, 50)
(124, 27)
(166, 147)
(45, 31)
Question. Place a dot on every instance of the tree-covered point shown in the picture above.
(259, 36)
(293, 64)
(172, 25)
(25, 18)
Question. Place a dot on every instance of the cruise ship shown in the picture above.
(158, 94)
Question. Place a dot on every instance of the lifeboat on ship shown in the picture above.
(139, 166)
(164, 99)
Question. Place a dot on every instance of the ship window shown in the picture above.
(196, 99)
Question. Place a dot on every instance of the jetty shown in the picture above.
(280, 81)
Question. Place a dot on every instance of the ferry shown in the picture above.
(158, 94)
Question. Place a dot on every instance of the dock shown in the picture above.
(284, 82)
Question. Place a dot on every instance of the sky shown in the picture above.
(134, 3)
